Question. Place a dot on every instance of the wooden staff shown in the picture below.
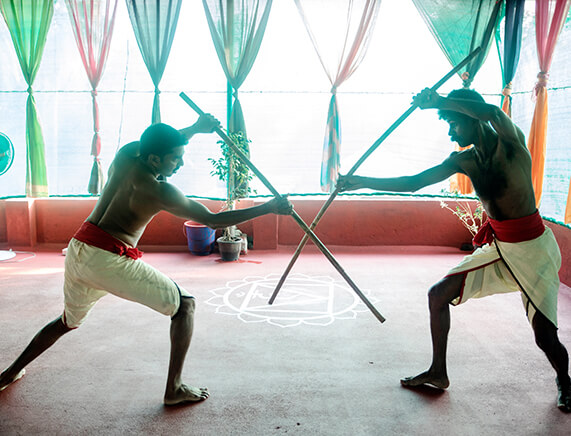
(309, 233)
(372, 148)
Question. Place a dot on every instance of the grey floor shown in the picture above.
(315, 363)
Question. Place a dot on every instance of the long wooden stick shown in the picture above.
(371, 149)
(309, 233)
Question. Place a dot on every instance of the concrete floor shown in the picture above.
(315, 363)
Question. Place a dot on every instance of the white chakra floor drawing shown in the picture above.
(303, 299)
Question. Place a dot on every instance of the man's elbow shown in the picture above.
(214, 222)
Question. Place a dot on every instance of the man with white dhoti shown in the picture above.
(516, 252)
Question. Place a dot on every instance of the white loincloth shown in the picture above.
(534, 263)
(91, 273)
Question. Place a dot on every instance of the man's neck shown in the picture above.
(148, 168)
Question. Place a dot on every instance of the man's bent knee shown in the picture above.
(443, 292)
(186, 307)
(62, 326)
(545, 334)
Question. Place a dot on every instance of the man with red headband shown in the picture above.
(513, 239)
(102, 256)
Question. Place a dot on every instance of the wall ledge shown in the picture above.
(46, 224)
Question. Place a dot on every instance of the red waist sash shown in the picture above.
(516, 230)
(90, 234)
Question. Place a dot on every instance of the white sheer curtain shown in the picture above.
(341, 44)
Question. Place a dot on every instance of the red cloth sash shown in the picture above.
(516, 230)
(90, 234)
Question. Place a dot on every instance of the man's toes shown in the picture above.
(412, 381)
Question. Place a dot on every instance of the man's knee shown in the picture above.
(60, 324)
(545, 332)
(545, 340)
(443, 292)
(186, 307)
(545, 335)
(435, 296)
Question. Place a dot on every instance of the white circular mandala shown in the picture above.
(303, 299)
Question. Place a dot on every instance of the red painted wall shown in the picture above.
(49, 223)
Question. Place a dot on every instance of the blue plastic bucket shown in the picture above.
(200, 238)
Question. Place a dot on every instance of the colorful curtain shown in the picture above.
(459, 27)
(237, 29)
(28, 22)
(92, 22)
(154, 23)
(549, 20)
(512, 45)
(355, 29)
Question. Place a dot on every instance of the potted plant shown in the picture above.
(228, 168)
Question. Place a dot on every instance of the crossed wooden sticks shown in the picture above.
(309, 234)
(294, 214)
(358, 164)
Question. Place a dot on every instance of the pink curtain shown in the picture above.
(549, 20)
(92, 22)
(359, 17)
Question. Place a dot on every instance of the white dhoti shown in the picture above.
(530, 267)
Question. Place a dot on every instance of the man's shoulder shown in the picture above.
(461, 155)
(460, 161)
(132, 149)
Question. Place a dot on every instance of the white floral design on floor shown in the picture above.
(303, 299)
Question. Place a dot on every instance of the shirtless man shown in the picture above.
(499, 166)
(102, 258)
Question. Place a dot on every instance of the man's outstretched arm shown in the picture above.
(175, 202)
(404, 183)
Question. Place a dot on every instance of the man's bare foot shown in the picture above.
(5, 382)
(563, 396)
(186, 394)
(426, 378)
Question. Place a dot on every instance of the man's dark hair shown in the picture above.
(160, 139)
(460, 94)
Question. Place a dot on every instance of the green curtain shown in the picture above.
(237, 28)
(28, 22)
(513, 26)
(459, 27)
(154, 23)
